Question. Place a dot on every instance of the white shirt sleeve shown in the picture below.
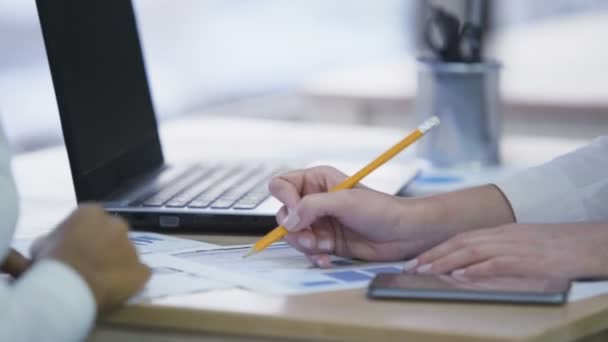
(8, 197)
(571, 188)
(50, 302)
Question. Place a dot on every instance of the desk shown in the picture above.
(238, 314)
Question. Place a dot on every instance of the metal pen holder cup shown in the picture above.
(465, 96)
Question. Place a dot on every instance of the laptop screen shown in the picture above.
(102, 92)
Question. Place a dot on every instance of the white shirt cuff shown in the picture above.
(61, 304)
(543, 194)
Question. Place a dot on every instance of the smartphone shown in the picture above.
(476, 289)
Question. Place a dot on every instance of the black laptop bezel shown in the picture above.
(99, 183)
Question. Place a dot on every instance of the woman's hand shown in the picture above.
(562, 250)
(358, 223)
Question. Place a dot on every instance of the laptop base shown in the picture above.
(198, 223)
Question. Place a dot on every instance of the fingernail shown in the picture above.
(305, 242)
(324, 262)
(292, 220)
(410, 264)
(458, 272)
(424, 269)
(325, 245)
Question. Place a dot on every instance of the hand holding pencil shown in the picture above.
(287, 189)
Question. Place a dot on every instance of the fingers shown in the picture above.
(326, 240)
(287, 217)
(281, 215)
(306, 242)
(286, 190)
(136, 281)
(458, 242)
(118, 226)
(503, 266)
(303, 193)
(96, 245)
(124, 287)
(87, 212)
(338, 223)
(289, 187)
(313, 241)
(15, 263)
(495, 251)
(320, 260)
(459, 252)
(315, 206)
(465, 257)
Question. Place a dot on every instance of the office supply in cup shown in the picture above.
(465, 97)
(280, 232)
(441, 34)
(460, 87)
(453, 40)
(470, 43)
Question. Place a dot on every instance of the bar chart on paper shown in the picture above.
(146, 243)
(283, 270)
(172, 276)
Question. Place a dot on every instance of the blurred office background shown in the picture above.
(342, 61)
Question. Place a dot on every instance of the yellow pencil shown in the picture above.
(280, 232)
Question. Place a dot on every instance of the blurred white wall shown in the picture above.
(201, 52)
(210, 50)
(204, 52)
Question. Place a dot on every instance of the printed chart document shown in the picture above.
(281, 269)
(170, 275)
(147, 243)
(173, 276)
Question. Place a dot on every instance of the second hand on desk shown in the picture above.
(280, 232)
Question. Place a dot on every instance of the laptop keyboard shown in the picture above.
(215, 187)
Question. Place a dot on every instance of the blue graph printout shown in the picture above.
(283, 270)
(147, 243)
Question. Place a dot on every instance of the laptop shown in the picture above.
(110, 132)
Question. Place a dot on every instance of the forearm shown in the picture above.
(479, 207)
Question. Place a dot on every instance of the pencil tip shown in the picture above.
(250, 253)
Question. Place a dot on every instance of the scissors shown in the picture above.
(448, 41)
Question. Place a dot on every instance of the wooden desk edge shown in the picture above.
(246, 324)
(581, 319)
(580, 327)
